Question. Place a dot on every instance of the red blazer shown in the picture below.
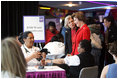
(81, 34)
(49, 35)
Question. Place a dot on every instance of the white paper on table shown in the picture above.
(46, 68)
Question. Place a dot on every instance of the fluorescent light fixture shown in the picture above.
(107, 12)
(96, 7)
(45, 8)
(108, 7)
(100, 3)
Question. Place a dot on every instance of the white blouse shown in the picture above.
(6, 74)
(56, 49)
(27, 52)
(72, 60)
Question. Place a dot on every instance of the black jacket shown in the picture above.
(112, 34)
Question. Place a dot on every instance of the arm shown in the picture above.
(69, 60)
(104, 72)
(86, 34)
(56, 61)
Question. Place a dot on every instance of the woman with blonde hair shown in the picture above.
(66, 32)
(13, 64)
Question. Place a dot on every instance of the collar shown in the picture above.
(81, 28)
(29, 49)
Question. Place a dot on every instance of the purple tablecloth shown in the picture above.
(46, 74)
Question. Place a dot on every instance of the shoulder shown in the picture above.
(57, 44)
(22, 47)
(56, 31)
(86, 28)
(113, 65)
(49, 44)
(47, 31)
(104, 71)
(106, 67)
(60, 43)
(6, 74)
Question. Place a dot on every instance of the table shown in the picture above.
(47, 72)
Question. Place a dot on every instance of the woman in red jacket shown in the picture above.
(51, 31)
(82, 33)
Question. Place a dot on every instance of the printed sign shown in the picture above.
(36, 25)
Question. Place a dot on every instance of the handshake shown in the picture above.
(43, 52)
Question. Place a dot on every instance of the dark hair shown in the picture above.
(54, 38)
(113, 48)
(90, 20)
(51, 23)
(110, 19)
(23, 35)
(86, 45)
(20, 38)
(60, 37)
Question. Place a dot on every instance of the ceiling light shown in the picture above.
(70, 4)
(45, 8)
(108, 7)
(97, 7)
(80, 2)
(100, 3)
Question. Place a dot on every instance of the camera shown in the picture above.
(43, 50)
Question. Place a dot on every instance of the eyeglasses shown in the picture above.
(30, 37)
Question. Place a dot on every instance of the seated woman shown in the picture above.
(56, 47)
(77, 62)
(30, 52)
(13, 63)
(110, 71)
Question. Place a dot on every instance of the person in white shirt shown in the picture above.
(13, 63)
(77, 62)
(56, 47)
(30, 52)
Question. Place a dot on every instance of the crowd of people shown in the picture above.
(80, 43)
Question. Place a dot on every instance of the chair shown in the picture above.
(89, 72)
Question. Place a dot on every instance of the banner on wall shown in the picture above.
(57, 22)
(36, 25)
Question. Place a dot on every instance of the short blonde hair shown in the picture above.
(67, 20)
(12, 58)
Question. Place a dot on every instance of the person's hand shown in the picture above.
(69, 55)
(36, 55)
(48, 61)
(43, 62)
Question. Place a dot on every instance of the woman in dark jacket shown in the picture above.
(110, 36)
(66, 32)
